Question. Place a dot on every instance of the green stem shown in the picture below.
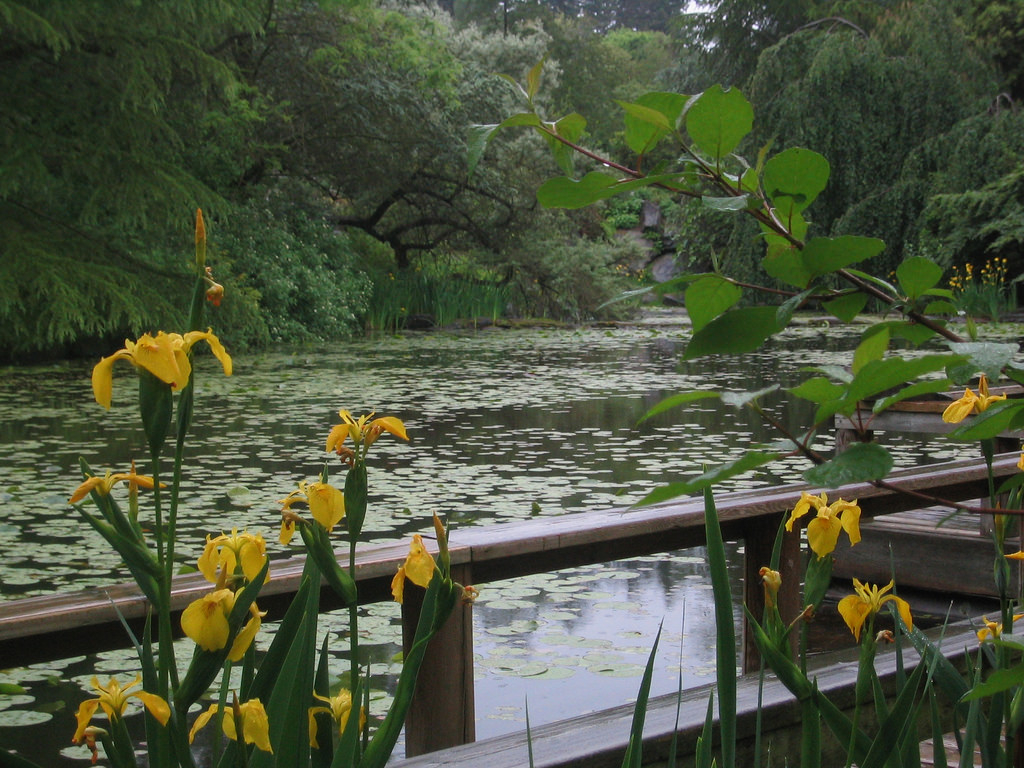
(353, 635)
(865, 669)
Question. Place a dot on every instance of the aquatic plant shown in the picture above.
(273, 717)
(730, 316)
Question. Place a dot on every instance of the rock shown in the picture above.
(650, 215)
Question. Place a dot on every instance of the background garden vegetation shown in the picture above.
(327, 144)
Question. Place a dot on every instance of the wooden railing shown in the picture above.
(40, 628)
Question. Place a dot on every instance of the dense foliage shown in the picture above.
(327, 143)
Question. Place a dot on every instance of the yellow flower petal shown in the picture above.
(248, 633)
(823, 534)
(162, 356)
(85, 712)
(205, 621)
(807, 501)
(326, 504)
(255, 725)
(216, 347)
(156, 706)
(102, 375)
(960, 409)
(854, 612)
(391, 425)
(201, 721)
(398, 584)
(419, 565)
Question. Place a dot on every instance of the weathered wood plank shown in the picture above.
(40, 628)
(599, 740)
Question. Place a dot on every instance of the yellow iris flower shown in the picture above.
(113, 699)
(867, 601)
(255, 725)
(205, 622)
(103, 485)
(971, 403)
(225, 552)
(326, 504)
(338, 707)
(994, 629)
(164, 355)
(823, 530)
(363, 431)
(418, 568)
(772, 581)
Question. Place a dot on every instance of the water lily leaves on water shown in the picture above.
(616, 670)
(21, 718)
(749, 461)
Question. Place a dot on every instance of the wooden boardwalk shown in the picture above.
(36, 629)
(925, 550)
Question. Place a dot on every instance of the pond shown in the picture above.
(503, 425)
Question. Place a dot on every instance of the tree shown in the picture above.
(102, 104)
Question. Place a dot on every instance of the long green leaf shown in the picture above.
(288, 703)
(634, 752)
(725, 631)
(270, 664)
(674, 401)
(438, 602)
(750, 460)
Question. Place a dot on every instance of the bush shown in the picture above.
(302, 275)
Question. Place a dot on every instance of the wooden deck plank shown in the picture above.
(53, 626)
(599, 740)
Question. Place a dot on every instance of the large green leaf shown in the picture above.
(735, 332)
(798, 175)
(847, 306)
(818, 390)
(750, 460)
(563, 192)
(652, 117)
(880, 375)
(998, 681)
(872, 347)
(822, 255)
(916, 275)
(987, 356)
(913, 391)
(738, 203)
(570, 128)
(860, 462)
(674, 401)
(718, 119)
(709, 297)
(785, 263)
(480, 135)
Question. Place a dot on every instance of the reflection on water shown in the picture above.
(503, 425)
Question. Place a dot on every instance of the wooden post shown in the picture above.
(442, 713)
(757, 548)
